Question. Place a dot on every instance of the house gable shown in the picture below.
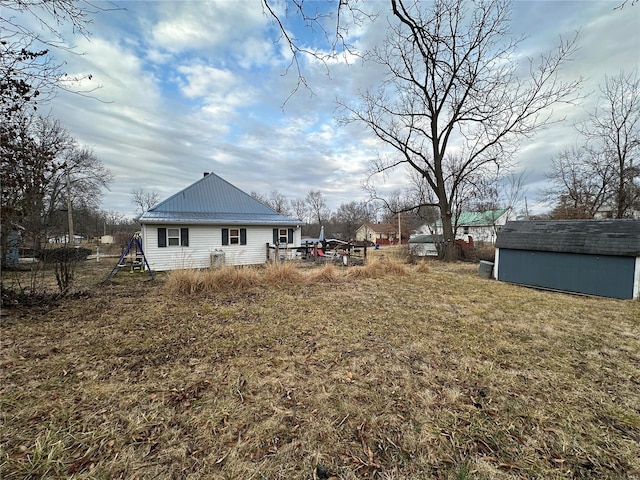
(213, 200)
(213, 223)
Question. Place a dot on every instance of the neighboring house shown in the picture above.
(481, 226)
(380, 233)
(212, 222)
(594, 257)
(422, 246)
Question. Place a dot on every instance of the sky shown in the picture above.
(186, 87)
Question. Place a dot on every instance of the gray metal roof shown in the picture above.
(213, 200)
(595, 237)
(421, 239)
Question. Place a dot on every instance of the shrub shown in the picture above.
(326, 274)
(63, 254)
(282, 273)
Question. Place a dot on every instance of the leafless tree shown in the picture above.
(317, 206)
(332, 21)
(453, 106)
(350, 216)
(144, 200)
(612, 134)
(580, 183)
(276, 201)
(29, 71)
(35, 160)
(300, 209)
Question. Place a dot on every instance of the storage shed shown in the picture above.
(422, 246)
(594, 257)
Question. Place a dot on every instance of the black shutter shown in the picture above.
(225, 236)
(275, 236)
(243, 236)
(162, 237)
(290, 235)
(184, 237)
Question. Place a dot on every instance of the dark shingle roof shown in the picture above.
(213, 200)
(596, 237)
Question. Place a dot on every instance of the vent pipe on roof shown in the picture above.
(205, 174)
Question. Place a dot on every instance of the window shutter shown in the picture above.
(184, 237)
(225, 236)
(275, 236)
(162, 237)
(290, 235)
(243, 236)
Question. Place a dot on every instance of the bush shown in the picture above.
(64, 254)
(485, 252)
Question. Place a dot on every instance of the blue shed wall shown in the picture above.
(603, 275)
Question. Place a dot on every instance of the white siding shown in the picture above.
(636, 281)
(205, 240)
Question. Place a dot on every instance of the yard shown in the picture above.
(422, 372)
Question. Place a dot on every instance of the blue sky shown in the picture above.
(188, 87)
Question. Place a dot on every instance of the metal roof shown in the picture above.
(213, 200)
(421, 239)
(595, 237)
(478, 219)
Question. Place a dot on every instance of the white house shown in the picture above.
(481, 226)
(380, 233)
(212, 222)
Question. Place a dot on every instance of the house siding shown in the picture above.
(602, 275)
(203, 241)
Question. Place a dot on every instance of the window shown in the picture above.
(173, 237)
(234, 236)
(282, 236)
(466, 230)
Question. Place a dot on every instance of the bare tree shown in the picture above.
(332, 21)
(453, 107)
(612, 132)
(350, 216)
(29, 72)
(35, 160)
(580, 183)
(144, 200)
(276, 201)
(317, 206)
(300, 210)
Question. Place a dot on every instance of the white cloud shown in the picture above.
(199, 86)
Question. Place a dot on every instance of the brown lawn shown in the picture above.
(387, 371)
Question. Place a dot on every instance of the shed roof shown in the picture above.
(422, 238)
(596, 237)
(213, 200)
(478, 219)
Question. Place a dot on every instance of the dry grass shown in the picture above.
(424, 372)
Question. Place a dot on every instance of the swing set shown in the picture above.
(133, 258)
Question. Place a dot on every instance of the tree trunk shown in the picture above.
(449, 245)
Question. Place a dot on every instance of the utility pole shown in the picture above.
(69, 211)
